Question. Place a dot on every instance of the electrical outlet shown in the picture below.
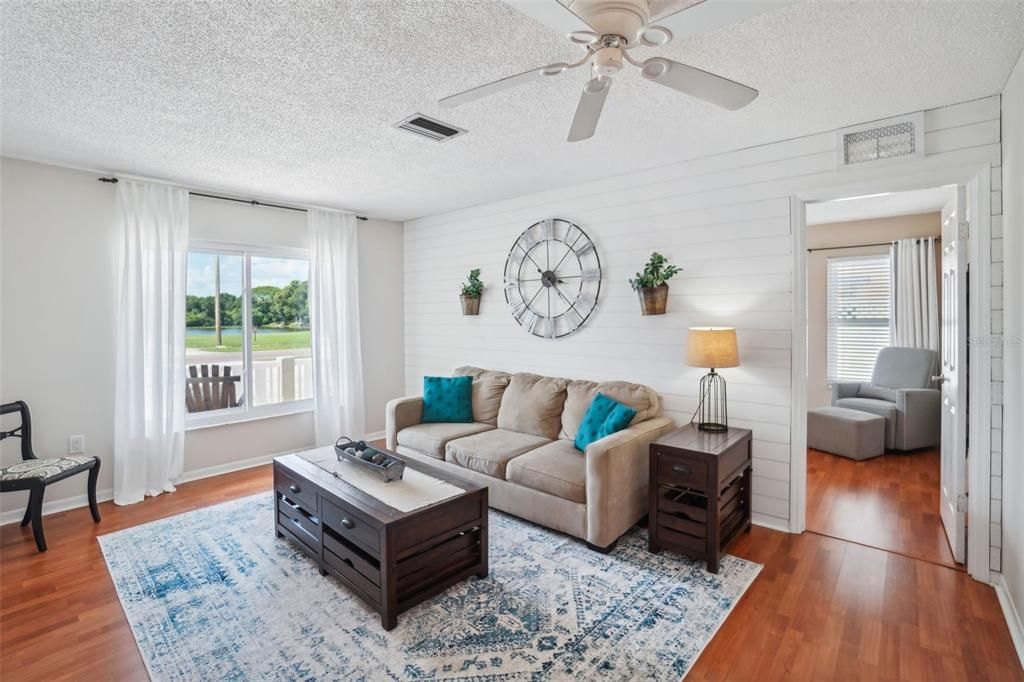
(76, 445)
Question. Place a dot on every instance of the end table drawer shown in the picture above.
(350, 525)
(683, 471)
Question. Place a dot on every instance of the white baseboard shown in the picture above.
(1011, 614)
(771, 522)
(63, 504)
(376, 435)
(227, 468)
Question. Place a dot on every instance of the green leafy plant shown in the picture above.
(655, 273)
(473, 287)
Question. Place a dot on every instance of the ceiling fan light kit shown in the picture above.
(607, 30)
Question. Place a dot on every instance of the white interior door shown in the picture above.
(954, 373)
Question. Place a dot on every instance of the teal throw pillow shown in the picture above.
(447, 399)
(604, 417)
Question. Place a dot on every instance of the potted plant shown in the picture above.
(650, 285)
(472, 288)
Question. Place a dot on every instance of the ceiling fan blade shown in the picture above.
(554, 15)
(696, 83)
(589, 109)
(711, 14)
(503, 84)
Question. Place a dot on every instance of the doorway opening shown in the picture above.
(886, 345)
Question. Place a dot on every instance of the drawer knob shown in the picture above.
(294, 488)
(348, 523)
(680, 468)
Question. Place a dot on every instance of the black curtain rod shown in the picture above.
(251, 202)
(862, 246)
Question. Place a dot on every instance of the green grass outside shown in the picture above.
(264, 341)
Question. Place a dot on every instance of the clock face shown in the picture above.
(552, 278)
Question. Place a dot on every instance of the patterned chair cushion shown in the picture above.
(42, 468)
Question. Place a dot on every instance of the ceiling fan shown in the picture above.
(608, 29)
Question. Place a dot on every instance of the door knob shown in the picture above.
(939, 379)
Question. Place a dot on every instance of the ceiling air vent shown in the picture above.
(430, 128)
(882, 141)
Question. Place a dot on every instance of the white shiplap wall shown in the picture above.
(724, 219)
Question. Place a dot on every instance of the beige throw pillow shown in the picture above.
(533, 404)
(488, 387)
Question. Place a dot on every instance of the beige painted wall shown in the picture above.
(847, 236)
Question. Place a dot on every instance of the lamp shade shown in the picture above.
(712, 347)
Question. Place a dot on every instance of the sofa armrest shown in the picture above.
(920, 411)
(844, 389)
(617, 474)
(402, 412)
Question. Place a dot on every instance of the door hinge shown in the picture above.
(965, 230)
(961, 503)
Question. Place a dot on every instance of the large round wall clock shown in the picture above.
(552, 278)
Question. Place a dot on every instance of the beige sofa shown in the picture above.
(521, 446)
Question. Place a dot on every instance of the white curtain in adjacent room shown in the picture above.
(915, 302)
(334, 319)
(149, 395)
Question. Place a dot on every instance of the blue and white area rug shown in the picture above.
(213, 595)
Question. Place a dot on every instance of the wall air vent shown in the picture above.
(430, 128)
(882, 141)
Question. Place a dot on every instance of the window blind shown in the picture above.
(859, 301)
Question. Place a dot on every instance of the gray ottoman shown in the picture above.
(846, 432)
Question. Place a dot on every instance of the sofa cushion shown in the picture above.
(533, 404)
(488, 387)
(430, 439)
(447, 399)
(579, 394)
(557, 468)
(603, 418)
(489, 452)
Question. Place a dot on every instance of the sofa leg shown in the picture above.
(604, 550)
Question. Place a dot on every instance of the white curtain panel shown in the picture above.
(915, 302)
(149, 393)
(334, 319)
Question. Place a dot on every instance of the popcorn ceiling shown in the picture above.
(296, 100)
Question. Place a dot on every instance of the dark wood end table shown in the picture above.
(700, 485)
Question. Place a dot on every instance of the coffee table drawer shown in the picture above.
(302, 524)
(366, 565)
(298, 490)
(351, 525)
(344, 567)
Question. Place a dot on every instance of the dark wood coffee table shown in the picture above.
(391, 559)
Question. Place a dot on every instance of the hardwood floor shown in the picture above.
(822, 609)
(889, 502)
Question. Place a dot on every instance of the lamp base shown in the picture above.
(713, 408)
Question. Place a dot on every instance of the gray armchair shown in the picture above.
(900, 390)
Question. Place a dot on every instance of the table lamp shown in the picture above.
(712, 347)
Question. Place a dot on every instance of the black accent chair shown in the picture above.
(34, 474)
